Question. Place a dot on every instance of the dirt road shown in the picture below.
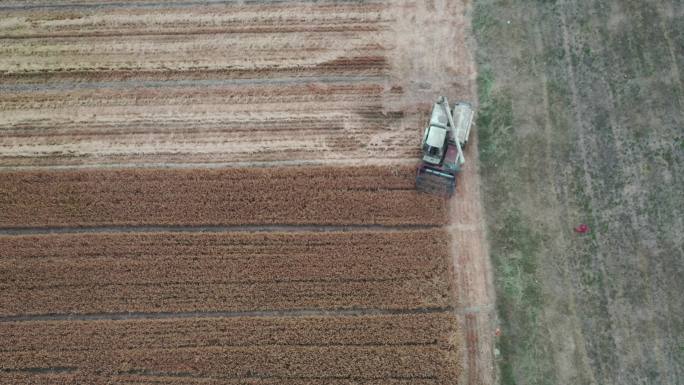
(473, 272)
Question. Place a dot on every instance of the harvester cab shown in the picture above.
(443, 141)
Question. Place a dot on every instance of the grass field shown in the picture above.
(581, 122)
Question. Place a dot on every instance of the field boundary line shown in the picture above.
(225, 314)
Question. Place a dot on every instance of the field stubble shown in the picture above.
(320, 196)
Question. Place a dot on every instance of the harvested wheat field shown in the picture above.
(221, 192)
(137, 82)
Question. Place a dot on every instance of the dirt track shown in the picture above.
(206, 84)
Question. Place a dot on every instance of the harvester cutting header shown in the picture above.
(445, 137)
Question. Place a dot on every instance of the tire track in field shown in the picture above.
(583, 141)
(170, 4)
(574, 331)
(627, 161)
(128, 84)
(152, 373)
(246, 30)
(225, 314)
(628, 158)
(342, 162)
(210, 229)
(473, 274)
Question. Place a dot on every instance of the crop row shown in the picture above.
(174, 17)
(206, 296)
(216, 98)
(184, 153)
(145, 258)
(297, 195)
(183, 38)
(233, 271)
(68, 378)
(284, 361)
(257, 121)
(363, 348)
(187, 138)
(221, 119)
(129, 74)
(391, 330)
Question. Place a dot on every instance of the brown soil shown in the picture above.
(474, 282)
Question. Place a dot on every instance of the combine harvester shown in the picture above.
(443, 143)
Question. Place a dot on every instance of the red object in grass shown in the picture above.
(582, 229)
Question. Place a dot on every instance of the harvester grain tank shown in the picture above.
(443, 141)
